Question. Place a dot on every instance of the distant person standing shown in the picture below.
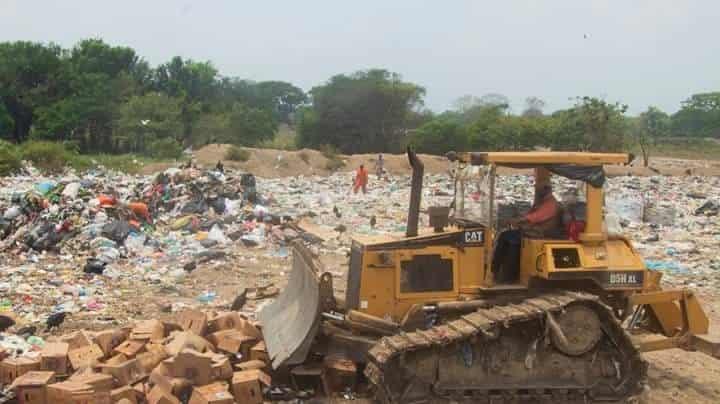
(379, 166)
(361, 180)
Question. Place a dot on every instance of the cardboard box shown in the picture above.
(153, 330)
(85, 356)
(98, 381)
(216, 393)
(123, 393)
(149, 360)
(130, 347)
(109, 339)
(252, 364)
(77, 339)
(54, 357)
(247, 386)
(159, 396)
(192, 365)
(338, 374)
(177, 386)
(259, 352)
(233, 321)
(194, 321)
(233, 342)
(12, 368)
(70, 392)
(31, 388)
(221, 368)
(186, 339)
(127, 372)
(116, 360)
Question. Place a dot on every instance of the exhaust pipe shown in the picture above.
(415, 193)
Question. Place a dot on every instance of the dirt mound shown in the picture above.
(271, 163)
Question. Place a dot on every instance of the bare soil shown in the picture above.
(272, 163)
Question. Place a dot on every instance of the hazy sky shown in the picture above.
(644, 52)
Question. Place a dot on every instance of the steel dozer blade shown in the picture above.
(291, 322)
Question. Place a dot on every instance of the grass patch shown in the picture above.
(700, 149)
(167, 148)
(285, 139)
(10, 161)
(50, 157)
(235, 153)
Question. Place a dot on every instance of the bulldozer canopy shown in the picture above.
(587, 167)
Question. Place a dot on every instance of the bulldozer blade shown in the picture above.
(291, 322)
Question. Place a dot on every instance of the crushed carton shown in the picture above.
(31, 388)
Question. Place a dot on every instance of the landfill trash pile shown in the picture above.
(92, 244)
(98, 251)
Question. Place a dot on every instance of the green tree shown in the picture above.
(28, 80)
(282, 98)
(195, 83)
(650, 126)
(698, 116)
(96, 78)
(250, 126)
(6, 123)
(366, 111)
(591, 125)
(533, 107)
(482, 132)
(439, 136)
(144, 119)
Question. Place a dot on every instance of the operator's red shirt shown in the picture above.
(546, 210)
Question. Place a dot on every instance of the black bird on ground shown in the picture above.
(54, 320)
(373, 221)
(6, 322)
(26, 331)
(337, 212)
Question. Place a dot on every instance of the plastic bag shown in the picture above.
(217, 235)
(627, 207)
(71, 190)
(117, 230)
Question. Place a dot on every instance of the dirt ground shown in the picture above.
(270, 163)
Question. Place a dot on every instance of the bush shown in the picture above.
(48, 156)
(334, 164)
(304, 156)
(329, 151)
(334, 161)
(167, 148)
(10, 161)
(235, 153)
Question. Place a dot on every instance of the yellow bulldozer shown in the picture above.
(426, 318)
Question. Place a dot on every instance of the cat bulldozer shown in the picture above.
(425, 319)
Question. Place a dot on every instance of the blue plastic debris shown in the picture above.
(666, 266)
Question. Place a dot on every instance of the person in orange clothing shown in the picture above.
(540, 221)
(361, 179)
(140, 210)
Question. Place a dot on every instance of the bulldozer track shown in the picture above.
(387, 358)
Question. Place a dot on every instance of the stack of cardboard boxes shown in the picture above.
(217, 358)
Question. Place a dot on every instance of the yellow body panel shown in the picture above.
(539, 158)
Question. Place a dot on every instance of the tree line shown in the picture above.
(103, 98)
(98, 97)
